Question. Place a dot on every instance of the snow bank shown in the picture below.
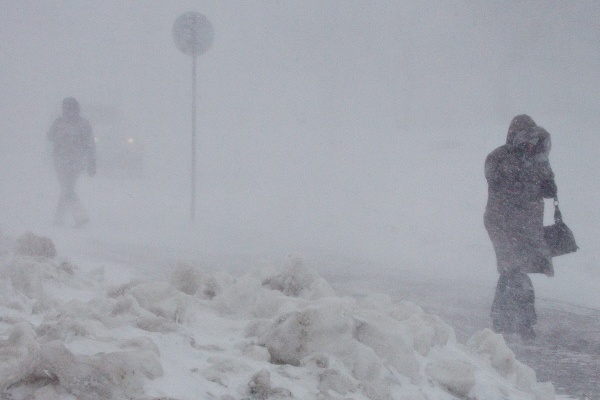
(273, 333)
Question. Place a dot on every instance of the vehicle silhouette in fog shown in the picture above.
(120, 151)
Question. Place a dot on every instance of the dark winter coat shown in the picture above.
(74, 149)
(517, 184)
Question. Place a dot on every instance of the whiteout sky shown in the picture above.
(346, 128)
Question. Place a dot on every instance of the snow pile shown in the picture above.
(269, 334)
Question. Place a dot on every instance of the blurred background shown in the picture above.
(339, 130)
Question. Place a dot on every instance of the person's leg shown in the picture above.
(64, 197)
(69, 201)
(527, 316)
(79, 214)
(503, 307)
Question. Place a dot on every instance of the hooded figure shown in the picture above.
(74, 151)
(519, 178)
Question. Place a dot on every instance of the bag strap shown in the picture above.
(557, 213)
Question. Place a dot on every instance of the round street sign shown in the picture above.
(193, 33)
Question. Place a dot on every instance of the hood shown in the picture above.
(70, 107)
(518, 124)
(537, 136)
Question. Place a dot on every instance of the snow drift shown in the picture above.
(272, 333)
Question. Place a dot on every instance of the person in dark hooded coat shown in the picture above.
(74, 151)
(519, 178)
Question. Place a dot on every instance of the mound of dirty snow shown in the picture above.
(269, 334)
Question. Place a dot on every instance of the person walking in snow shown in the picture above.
(74, 151)
(519, 178)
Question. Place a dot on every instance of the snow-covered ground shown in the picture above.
(144, 304)
(273, 332)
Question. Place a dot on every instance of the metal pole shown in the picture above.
(193, 205)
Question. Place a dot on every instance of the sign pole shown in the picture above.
(193, 35)
(193, 205)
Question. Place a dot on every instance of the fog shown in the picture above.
(339, 130)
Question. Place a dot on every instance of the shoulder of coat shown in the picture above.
(498, 152)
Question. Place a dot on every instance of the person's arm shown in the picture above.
(498, 171)
(53, 131)
(547, 184)
(91, 150)
(548, 187)
(491, 170)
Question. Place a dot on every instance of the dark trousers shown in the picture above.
(68, 200)
(513, 309)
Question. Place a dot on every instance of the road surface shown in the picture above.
(565, 352)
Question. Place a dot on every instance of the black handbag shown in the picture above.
(559, 237)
